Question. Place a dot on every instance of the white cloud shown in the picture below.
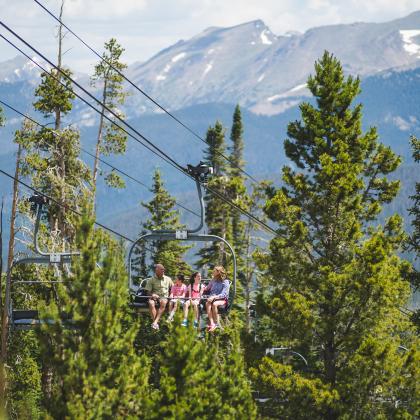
(103, 9)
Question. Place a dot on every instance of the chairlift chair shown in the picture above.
(139, 295)
(24, 319)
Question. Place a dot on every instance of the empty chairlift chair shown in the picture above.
(29, 318)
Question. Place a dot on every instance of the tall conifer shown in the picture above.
(414, 239)
(163, 216)
(110, 138)
(336, 279)
(89, 337)
(218, 214)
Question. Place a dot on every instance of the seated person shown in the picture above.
(218, 291)
(157, 288)
(194, 292)
(178, 291)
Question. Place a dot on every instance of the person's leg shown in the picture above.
(196, 313)
(186, 307)
(195, 306)
(162, 303)
(209, 313)
(152, 309)
(215, 310)
(171, 304)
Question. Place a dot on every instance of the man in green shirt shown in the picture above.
(158, 288)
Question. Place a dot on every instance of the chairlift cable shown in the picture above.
(158, 152)
(65, 206)
(92, 155)
(170, 114)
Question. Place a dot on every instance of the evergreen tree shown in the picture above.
(336, 282)
(218, 212)
(110, 139)
(237, 148)
(163, 216)
(234, 385)
(52, 157)
(203, 378)
(20, 351)
(91, 339)
(2, 119)
(188, 377)
(414, 239)
(238, 193)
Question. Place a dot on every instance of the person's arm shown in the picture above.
(149, 289)
(184, 291)
(207, 289)
(225, 291)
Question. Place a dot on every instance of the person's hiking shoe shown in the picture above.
(195, 324)
(155, 326)
(184, 323)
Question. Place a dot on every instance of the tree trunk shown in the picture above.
(10, 256)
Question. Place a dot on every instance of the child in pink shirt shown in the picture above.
(195, 292)
(177, 294)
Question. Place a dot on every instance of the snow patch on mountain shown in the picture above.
(290, 92)
(264, 37)
(178, 57)
(208, 68)
(409, 45)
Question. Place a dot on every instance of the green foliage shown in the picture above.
(55, 94)
(234, 384)
(90, 341)
(163, 216)
(2, 119)
(237, 148)
(218, 212)
(111, 139)
(24, 393)
(334, 278)
(203, 379)
(290, 394)
(188, 377)
(414, 239)
(51, 156)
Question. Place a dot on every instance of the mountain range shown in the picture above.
(201, 79)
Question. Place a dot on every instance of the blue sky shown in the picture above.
(144, 27)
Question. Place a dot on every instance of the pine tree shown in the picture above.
(52, 158)
(203, 378)
(110, 139)
(188, 377)
(336, 282)
(237, 188)
(237, 148)
(218, 212)
(91, 339)
(414, 239)
(163, 216)
(234, 385)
